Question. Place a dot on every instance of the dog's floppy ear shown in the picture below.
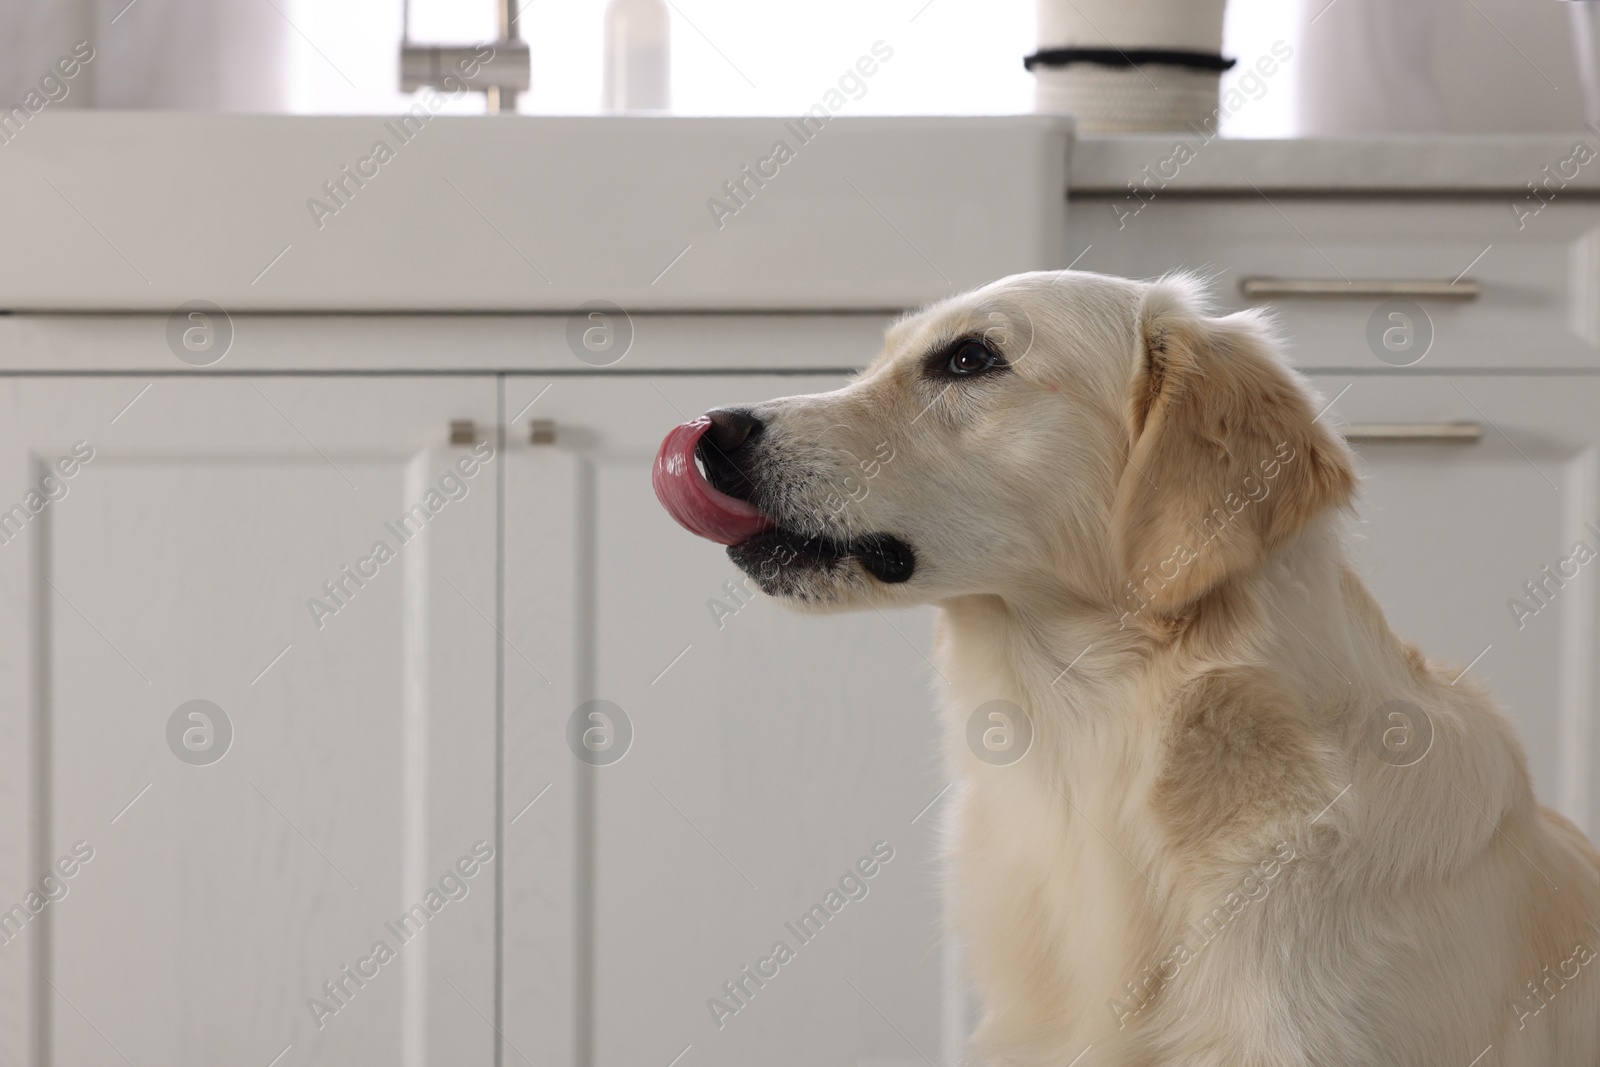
(1228, 460)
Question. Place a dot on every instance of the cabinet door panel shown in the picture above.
(770, 752)
(221, 546)
(1449, 536)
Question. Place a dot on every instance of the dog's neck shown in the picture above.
(1057, 654)
(1109, 705)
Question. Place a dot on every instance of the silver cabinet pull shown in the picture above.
(1455, 433)
(464, 432)
(1264, 288)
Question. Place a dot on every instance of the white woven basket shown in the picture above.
(1148, 98)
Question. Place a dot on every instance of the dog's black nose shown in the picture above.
(724, 450)
(732, 428)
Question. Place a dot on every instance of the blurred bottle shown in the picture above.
(638, 68)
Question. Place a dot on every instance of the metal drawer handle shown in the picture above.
(1261, 288)
(1455, 433)
(465, 432)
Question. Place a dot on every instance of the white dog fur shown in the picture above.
(1222, 847)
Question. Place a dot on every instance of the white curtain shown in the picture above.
(1437, 66)
(214, 55)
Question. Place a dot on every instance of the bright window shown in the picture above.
(736, 57)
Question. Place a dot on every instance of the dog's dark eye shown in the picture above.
(971, 357)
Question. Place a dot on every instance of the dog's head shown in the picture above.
(1061, 433)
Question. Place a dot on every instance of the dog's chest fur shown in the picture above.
(1078, 882)
(1203, 873)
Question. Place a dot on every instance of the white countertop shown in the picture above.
(1474, 166)
(143, 212)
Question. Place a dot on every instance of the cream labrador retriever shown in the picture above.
(1241, 821)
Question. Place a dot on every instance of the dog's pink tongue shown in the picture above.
(689, 498)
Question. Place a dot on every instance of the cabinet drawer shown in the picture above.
(1537, 301)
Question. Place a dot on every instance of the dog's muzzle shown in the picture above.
(701, 478)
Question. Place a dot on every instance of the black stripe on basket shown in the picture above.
(1127, 57)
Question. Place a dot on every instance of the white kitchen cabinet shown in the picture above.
(770, 752)
(178, 566)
